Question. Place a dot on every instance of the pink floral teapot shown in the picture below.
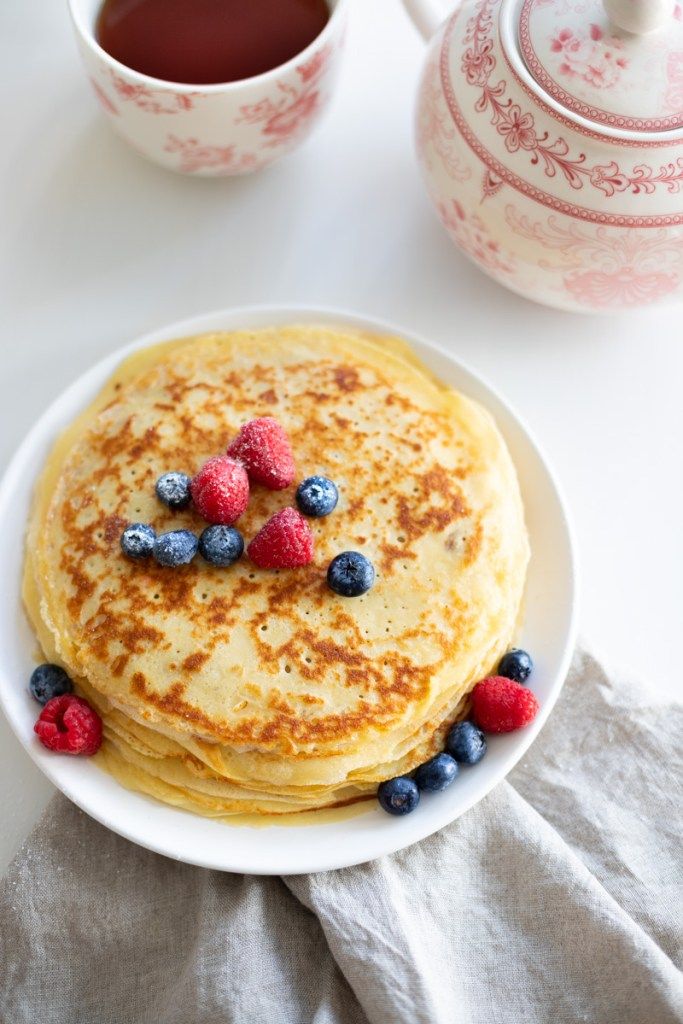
(550, 134)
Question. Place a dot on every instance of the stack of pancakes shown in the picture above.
(244, 690)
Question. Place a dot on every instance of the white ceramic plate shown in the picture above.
(548, 632)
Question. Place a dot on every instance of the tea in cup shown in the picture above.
(211, 87)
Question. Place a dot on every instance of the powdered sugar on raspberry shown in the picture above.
(220, 490)
(263, 447)
(285, 542)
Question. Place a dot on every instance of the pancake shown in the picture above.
(243, 690)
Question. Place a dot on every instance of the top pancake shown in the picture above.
(274, 664)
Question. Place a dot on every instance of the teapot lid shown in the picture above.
(618, 63)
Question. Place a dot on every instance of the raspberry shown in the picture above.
(502, 705)
(69, 725)
(285, 542)
(263, 447)
(220, 490)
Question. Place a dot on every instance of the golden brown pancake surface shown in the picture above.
(267, 678)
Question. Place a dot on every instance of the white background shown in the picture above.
(97, 246)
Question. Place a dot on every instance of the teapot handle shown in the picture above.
(425, 16)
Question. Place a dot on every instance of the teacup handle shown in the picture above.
(425, 15)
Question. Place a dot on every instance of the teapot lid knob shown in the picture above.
(638, 16)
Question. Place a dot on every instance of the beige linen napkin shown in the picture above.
(556, 899)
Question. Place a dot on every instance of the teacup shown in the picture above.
(208, 130)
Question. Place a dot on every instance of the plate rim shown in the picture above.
(87, 383)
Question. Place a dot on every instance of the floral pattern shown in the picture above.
(518, 130)
(642, 180)
(288, 115)
(103, 98)
(471, 234)
(153, 101)
(673, 100)
(478, 62)
(604, 269)
(518, 127)
(626, 287)
(597, 59)
(435, 135)
(315, 65)
(573, 53)
(197, 156)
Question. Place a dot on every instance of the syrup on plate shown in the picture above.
(205, 42)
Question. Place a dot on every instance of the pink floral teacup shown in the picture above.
(230, 128)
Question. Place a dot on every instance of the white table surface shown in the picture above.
(97, 246)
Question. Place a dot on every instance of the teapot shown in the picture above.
(550, 137)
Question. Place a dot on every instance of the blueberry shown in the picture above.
(350, 574)
(174, 490)
(466, 743)
(317, 496)
(137, 540)
(175, 548)
(221, 545)
(516, 664)
(399, 795)
(436, 774)
(48, 681)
